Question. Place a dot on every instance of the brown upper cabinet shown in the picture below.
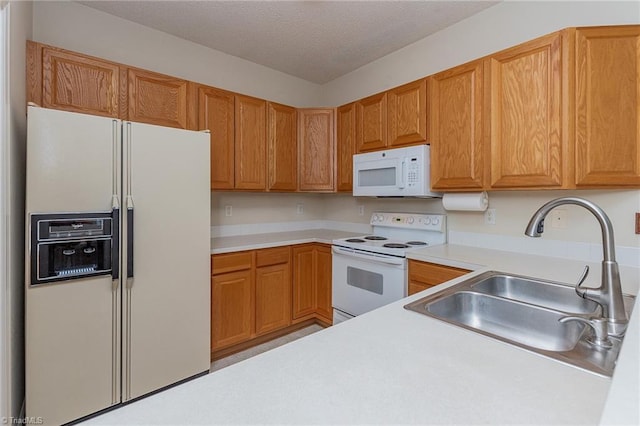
(316, 150)
(527, 107)
(456, 129)
(346, 146)
(74, 82)
(607, 97)
(216, 111)
(407, 114)
(282, 147)
(158, 99)
(69, 81)
(250, 143)
(371, 122)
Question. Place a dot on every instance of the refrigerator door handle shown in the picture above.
(130, 242)
(115, 244)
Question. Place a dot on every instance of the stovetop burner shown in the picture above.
(395, 245)
(375, 238)
(416, 243)
(355, 240)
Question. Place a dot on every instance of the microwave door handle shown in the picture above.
(403, 174)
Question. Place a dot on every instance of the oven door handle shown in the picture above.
(372, 257)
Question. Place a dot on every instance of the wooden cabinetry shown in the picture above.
(232, 299)
(216, 113)
(69, 81)
(407, 114)
(316, 150)
(346, 146)
(282, 148)
(456, 130)
(371, 119)
(273, 289)
(250, 143)
(423, 275)
(528, 110)
(158, 99)
(607, 97)
(312, 282)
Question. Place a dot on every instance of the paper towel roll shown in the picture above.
(471, 202)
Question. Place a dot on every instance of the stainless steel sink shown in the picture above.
(509, 319)
(534, 291)
(525, 312)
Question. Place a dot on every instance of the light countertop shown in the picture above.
(275, 239)
(393, 366)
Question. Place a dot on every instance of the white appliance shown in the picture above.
(113, 312)
(398, 172)
(371, 271)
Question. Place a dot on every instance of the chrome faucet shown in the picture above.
(609, 294)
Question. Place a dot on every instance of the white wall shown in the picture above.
(79, 28)
(496, 28)
(13, 180)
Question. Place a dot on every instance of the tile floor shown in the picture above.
(248, 353)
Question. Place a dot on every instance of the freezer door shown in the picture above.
(72, 349)
(166, 257)
(72, 161)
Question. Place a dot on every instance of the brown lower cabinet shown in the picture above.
(258, 294)
(424, 275)
(312, 283)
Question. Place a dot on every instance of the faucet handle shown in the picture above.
(583, 277)
(599, 326)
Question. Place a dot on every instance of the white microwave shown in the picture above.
(398, 172)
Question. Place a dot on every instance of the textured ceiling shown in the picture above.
(317, 41)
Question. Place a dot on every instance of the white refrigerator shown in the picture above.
(117, 287)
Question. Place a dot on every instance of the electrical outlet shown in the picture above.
(559, 218)
(228, 211)
(300, 209)
(360, 210)
(490, 217)
(638, 223)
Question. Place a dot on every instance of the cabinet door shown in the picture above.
(456, 128)
(346, 146)
(78, 83)
(527, 107)
(424, 275)
(607, 106)
(304, 288)
(282, 147)
(251, 143)
(371, 119)
(216, 114)
(232, 307)
(316, 149)
(157, 99)
(273, 298)
(323, 285)
(407, 114)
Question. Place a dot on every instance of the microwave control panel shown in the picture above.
(413, 171)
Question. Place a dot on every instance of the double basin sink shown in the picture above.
(525, 312)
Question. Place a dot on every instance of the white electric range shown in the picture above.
(371, 271)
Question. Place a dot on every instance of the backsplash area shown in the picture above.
(580, 237)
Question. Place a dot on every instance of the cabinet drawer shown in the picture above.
(272, 256)
(432, 274)
(223, 263)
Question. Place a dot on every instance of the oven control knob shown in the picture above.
(410, 220)
(427, 221)
(435, 221)
(380, 218)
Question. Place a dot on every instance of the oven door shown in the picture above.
(363, 281)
